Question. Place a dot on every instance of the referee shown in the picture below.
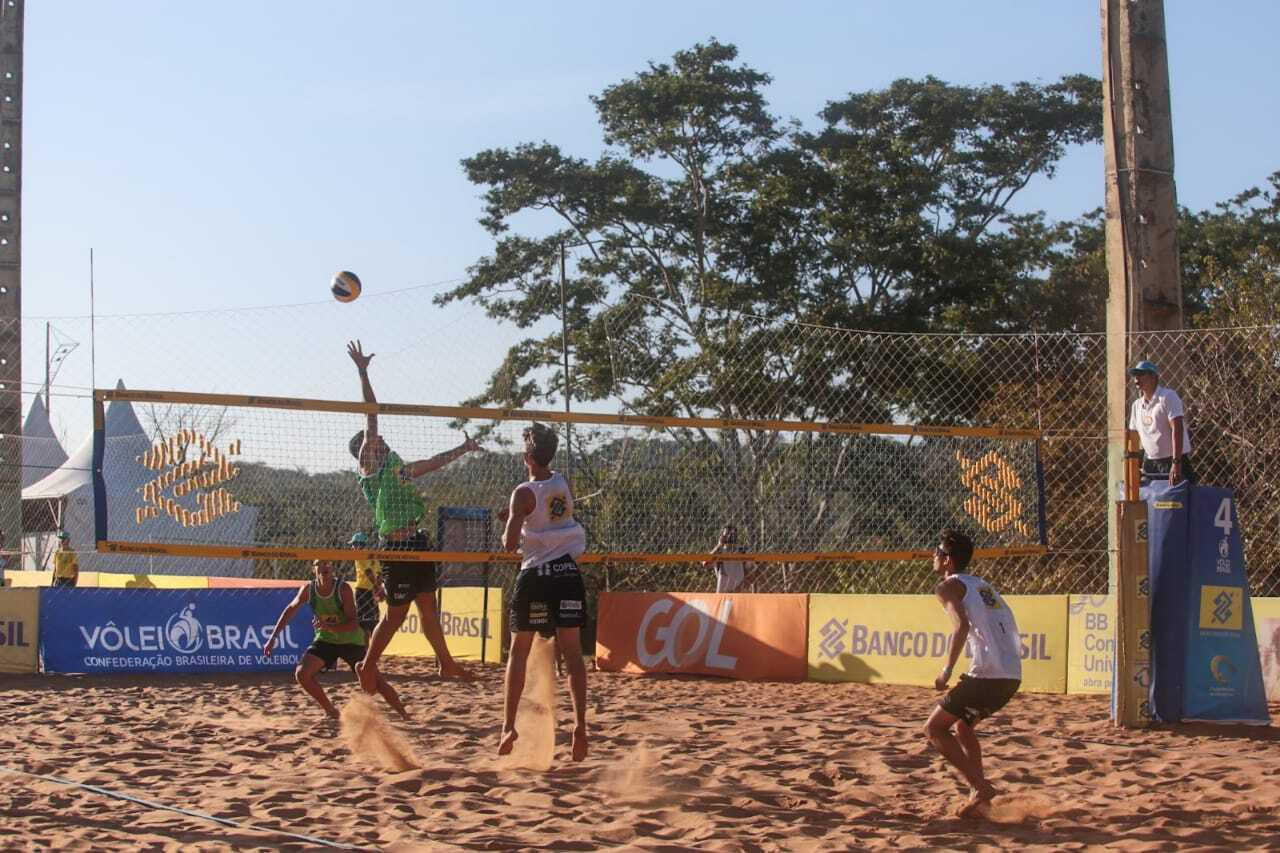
(1161, 423)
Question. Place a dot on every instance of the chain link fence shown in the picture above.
(642, 357)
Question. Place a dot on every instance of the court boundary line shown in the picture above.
(158, 806)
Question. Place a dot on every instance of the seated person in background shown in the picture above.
(731, 575)
(66, 567)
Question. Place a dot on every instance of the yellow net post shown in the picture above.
(1131, 704)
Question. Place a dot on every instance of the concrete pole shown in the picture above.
(11, 41)
(1144, 294)
(1144, 276)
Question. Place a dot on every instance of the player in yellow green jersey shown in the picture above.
(338, 635)
(386, 481)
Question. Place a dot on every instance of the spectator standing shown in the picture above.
(731, 575)
(66, 567)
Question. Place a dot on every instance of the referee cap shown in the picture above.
(1144, 367)
(358, 538)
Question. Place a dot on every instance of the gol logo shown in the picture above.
(671, 641)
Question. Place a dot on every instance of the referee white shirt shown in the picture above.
(1153, 420)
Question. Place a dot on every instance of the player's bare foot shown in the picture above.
(977, 802)
(456, 672)
(368, 675)
(508, 742)
(579, 743)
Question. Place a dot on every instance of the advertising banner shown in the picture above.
(462, 618)
(902, 639)
(157, 630)
(19, 630)
(1091, 639)
(1206, 663)
(253, 583)
(87, 580)
(1266, 613)
(752, 637)
(116, 580)
(1224, 676)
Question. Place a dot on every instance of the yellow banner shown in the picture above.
(902, 639)
(1091, 638)
(114, 580)
(19, 628)
(87, 580)
(460, 616)
(1266, 621)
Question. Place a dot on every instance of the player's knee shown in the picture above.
(300, 674)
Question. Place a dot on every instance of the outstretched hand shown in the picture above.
(357, 355)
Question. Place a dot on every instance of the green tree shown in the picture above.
(710, 227)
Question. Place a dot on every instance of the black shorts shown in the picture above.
(549, 596)
(974, 699)
(68, 583)
(403, 582)
(1158, 469)
(366, 609)
(330, 653)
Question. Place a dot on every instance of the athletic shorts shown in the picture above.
(331, 653)
(367, 609)
(974, 699)
(1158, 469)
(405, 581)
(549, 596)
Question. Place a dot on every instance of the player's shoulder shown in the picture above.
(950, 587)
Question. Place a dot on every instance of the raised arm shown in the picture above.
(522, 504)
(286, 615)
(951, 593)
(366, 388)
(422, 466)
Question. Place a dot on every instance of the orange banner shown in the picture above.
(752, 637)
(245, 583)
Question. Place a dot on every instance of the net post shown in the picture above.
(1131, 678)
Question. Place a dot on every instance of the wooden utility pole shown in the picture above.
(11, 34)
(1145, 286)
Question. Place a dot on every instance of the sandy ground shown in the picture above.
(676, 764)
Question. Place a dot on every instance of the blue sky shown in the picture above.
(236, 154)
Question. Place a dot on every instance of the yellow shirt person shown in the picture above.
(367, 574)
(66, 568)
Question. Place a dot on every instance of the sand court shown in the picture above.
(676, 763)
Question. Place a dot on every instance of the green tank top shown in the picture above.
(329, 611)
(396, 503)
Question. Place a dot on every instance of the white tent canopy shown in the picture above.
(41, 450)
(64, 499)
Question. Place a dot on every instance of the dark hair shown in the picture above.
(959, 546)
(356, 442)
(542, 442)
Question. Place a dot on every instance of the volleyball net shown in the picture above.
(272, 478)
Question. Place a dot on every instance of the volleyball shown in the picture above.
(346, 286)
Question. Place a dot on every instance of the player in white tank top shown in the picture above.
(984, 624)
(549, 594)
(550, 531)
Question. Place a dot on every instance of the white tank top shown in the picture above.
(993, 643)
(550, 532)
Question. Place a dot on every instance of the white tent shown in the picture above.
(64, 500)
(41, 451)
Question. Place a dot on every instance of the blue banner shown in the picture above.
(1205, 655)
(168, 630)
(1223, 673)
